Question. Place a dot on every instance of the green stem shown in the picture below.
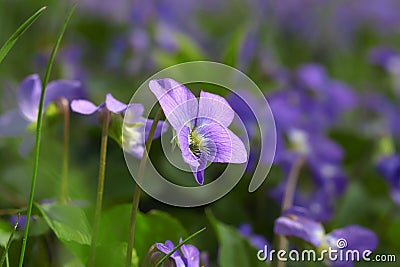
(100, 186)
(39, 134)
(64, 106)
(13, 39)
(10, 239)
(178, 246)
(288, 201)
(137, 190)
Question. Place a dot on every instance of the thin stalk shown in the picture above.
(137, 190)
(39, 134)
(100, 185)
(288, 197)
(13, 39)
(10, 239)
(178, 246)
(64, 106)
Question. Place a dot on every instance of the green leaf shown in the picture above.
(153, 227)
(234, 250)
(69, 223)
(13, 39)
(114, 255)
(5, 231)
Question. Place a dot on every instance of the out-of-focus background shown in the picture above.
(329, 69)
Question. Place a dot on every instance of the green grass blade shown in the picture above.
(39, 132)
(178, 246)
(11, 41)
(5, 253)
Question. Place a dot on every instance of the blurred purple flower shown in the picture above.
(351, 238)
(381, 55)
(257, 241)
(136, 127)
(15, 122)
(186, 256)
(201, 126)
(312, 76)
(389, 168)
(21, 223)
(297, 222)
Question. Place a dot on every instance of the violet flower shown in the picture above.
(389, 168)
(186, 256)
(201, 126)
(136, 127)
(257, 241)
(15, 122)
(297, 222)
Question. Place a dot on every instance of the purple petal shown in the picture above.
(83, 106)
(352, 237)
(180, 106)
(167, 248)
(312, 76)
(69, 89)
(114, 105)
(216, 108)
(357, 238)
(296, 222)
(161, 128)
(183, 140)
(239, 153)
(245, 229)
(198, 171)
(381, 55)
(12, 124)
(134, 113)
(192, 255)
(221, 145)
(395, 195)
(28, 96)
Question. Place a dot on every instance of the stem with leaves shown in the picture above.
(100, 186)
(39, 134)
(137, 190)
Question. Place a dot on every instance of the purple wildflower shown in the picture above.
(297, 222)
(136, 127)
(186, 256)
(257, 241)
(15, 122)
(201, 126)
(21, 223)
(389, 168)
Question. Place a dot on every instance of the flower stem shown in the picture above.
(288, 200)
(100, 185)
(39, 134)
(10, 239)
(137, 190)
(64, 106)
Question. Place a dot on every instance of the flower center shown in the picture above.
(195, 143)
